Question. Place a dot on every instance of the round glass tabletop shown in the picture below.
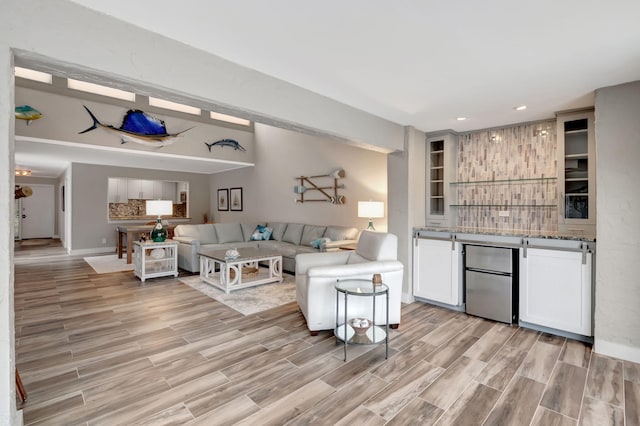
(361, 287)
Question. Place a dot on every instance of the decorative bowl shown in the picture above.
(231, 254)
(360, 325)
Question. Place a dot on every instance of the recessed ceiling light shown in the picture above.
(229, 118)
(461, 118)
(99, 89)
(520, 108)
(161, 103)
(30, 74)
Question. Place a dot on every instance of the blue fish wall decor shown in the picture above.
(226, 142)
(139, 127)
(25, 112)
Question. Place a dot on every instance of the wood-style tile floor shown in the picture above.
(109, 350)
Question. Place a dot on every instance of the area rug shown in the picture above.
(108, 263)
(249, 300)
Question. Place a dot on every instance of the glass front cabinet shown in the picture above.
(576, 173)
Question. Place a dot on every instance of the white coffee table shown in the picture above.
(230, 270)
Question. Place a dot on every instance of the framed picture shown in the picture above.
(235, 199)
(223, 200)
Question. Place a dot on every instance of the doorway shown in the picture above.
(37, 216)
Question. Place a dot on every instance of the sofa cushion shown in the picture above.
(293, 233)
(287, 250)
(248, 229)
(278, 230)
(311, 233)
(261, 233)
(205, 233)
(229, 232)
(339, 233)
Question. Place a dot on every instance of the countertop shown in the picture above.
(553, 235)
(520, 239)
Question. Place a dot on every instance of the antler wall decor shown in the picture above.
(333, 199)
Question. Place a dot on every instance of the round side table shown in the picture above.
(355, 331)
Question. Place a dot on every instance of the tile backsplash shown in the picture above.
(507, 179)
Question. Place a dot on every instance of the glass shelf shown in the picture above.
(505, 206)
(541, 179)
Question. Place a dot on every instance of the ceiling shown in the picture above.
(416, 62)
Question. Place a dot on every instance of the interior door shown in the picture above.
(38, 212)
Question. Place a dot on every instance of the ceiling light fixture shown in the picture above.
(22, 172)
(520, 108)
(461, 118)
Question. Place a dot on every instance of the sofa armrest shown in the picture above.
(304, 261)
(335, 245)
(187, 240)
(355, 269)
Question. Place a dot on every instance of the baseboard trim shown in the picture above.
(407, 298)
(97, 250)
(617, 350)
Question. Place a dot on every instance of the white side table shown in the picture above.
(153, 260)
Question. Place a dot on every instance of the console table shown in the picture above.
(132, 233)
(155, 259)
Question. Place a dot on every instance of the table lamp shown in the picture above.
(370, 209)
(160, 208)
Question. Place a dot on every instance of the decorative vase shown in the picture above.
(159, 233)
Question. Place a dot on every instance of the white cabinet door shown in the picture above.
(169, 191)
(436, 271)
(555, 290)
(140, 189)
(117, 190)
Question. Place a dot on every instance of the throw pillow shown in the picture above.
(318, 243)
(261, 233)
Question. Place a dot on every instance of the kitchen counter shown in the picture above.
(507, 239)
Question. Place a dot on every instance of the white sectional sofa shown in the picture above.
(288, 239)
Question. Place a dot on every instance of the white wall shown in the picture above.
(283, 155)
(617, 310)
(8, 414)
(406, 199)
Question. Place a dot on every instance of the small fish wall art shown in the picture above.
(25, 112)
(137, 126)
(226, 142)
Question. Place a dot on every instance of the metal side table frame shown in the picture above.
(344, 332)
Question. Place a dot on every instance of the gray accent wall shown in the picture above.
(89, 201)
(281, 157)
(617, 292)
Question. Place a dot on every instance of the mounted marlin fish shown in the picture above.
(138, 127)
(226, 142)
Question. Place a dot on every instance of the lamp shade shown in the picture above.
(370, 209)
(159, 207)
